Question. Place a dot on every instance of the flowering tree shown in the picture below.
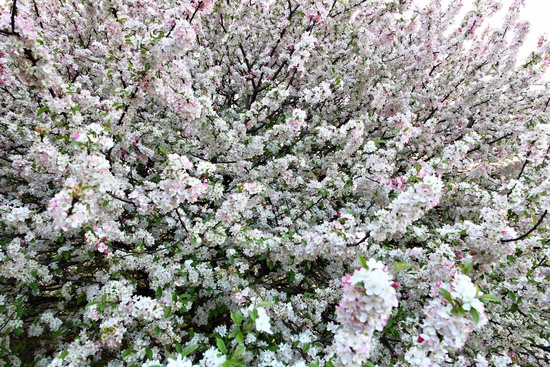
(271, 183)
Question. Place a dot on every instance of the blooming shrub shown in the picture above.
(186, 183)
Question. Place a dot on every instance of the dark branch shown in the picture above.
(528, 232)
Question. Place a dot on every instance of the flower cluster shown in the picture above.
(408, 207)
(177, 186)
(367, 303)
(450, 318)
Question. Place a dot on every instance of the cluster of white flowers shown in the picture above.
(317, 94)
(449, 321)
(19, 263)
(93, 134)
(15, 217)
(177, 185)
(262, 321)
(367, 303)
(302, 52)
(89, 180)
(407, 207)
(232, 207)
(297, 120)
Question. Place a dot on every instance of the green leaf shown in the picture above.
(266, 304)
(466, 268)
(401, 265)
(149, 353)
(188, 350)
(239, 338)
(63, 354)
(127, 352)
(490, 298)
(221, 345)
(41, 110)
(446, 295)
(167, 312)
(231, 362)
(475, 315)
(20, 311)
(238, 351)
(80, 300)
(362, 261)
(514, 307)
(170, 355)
(162, 150)
(237, 318)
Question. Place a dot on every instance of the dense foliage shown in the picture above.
(271, 183)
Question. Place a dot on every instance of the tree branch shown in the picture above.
(528, 232)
